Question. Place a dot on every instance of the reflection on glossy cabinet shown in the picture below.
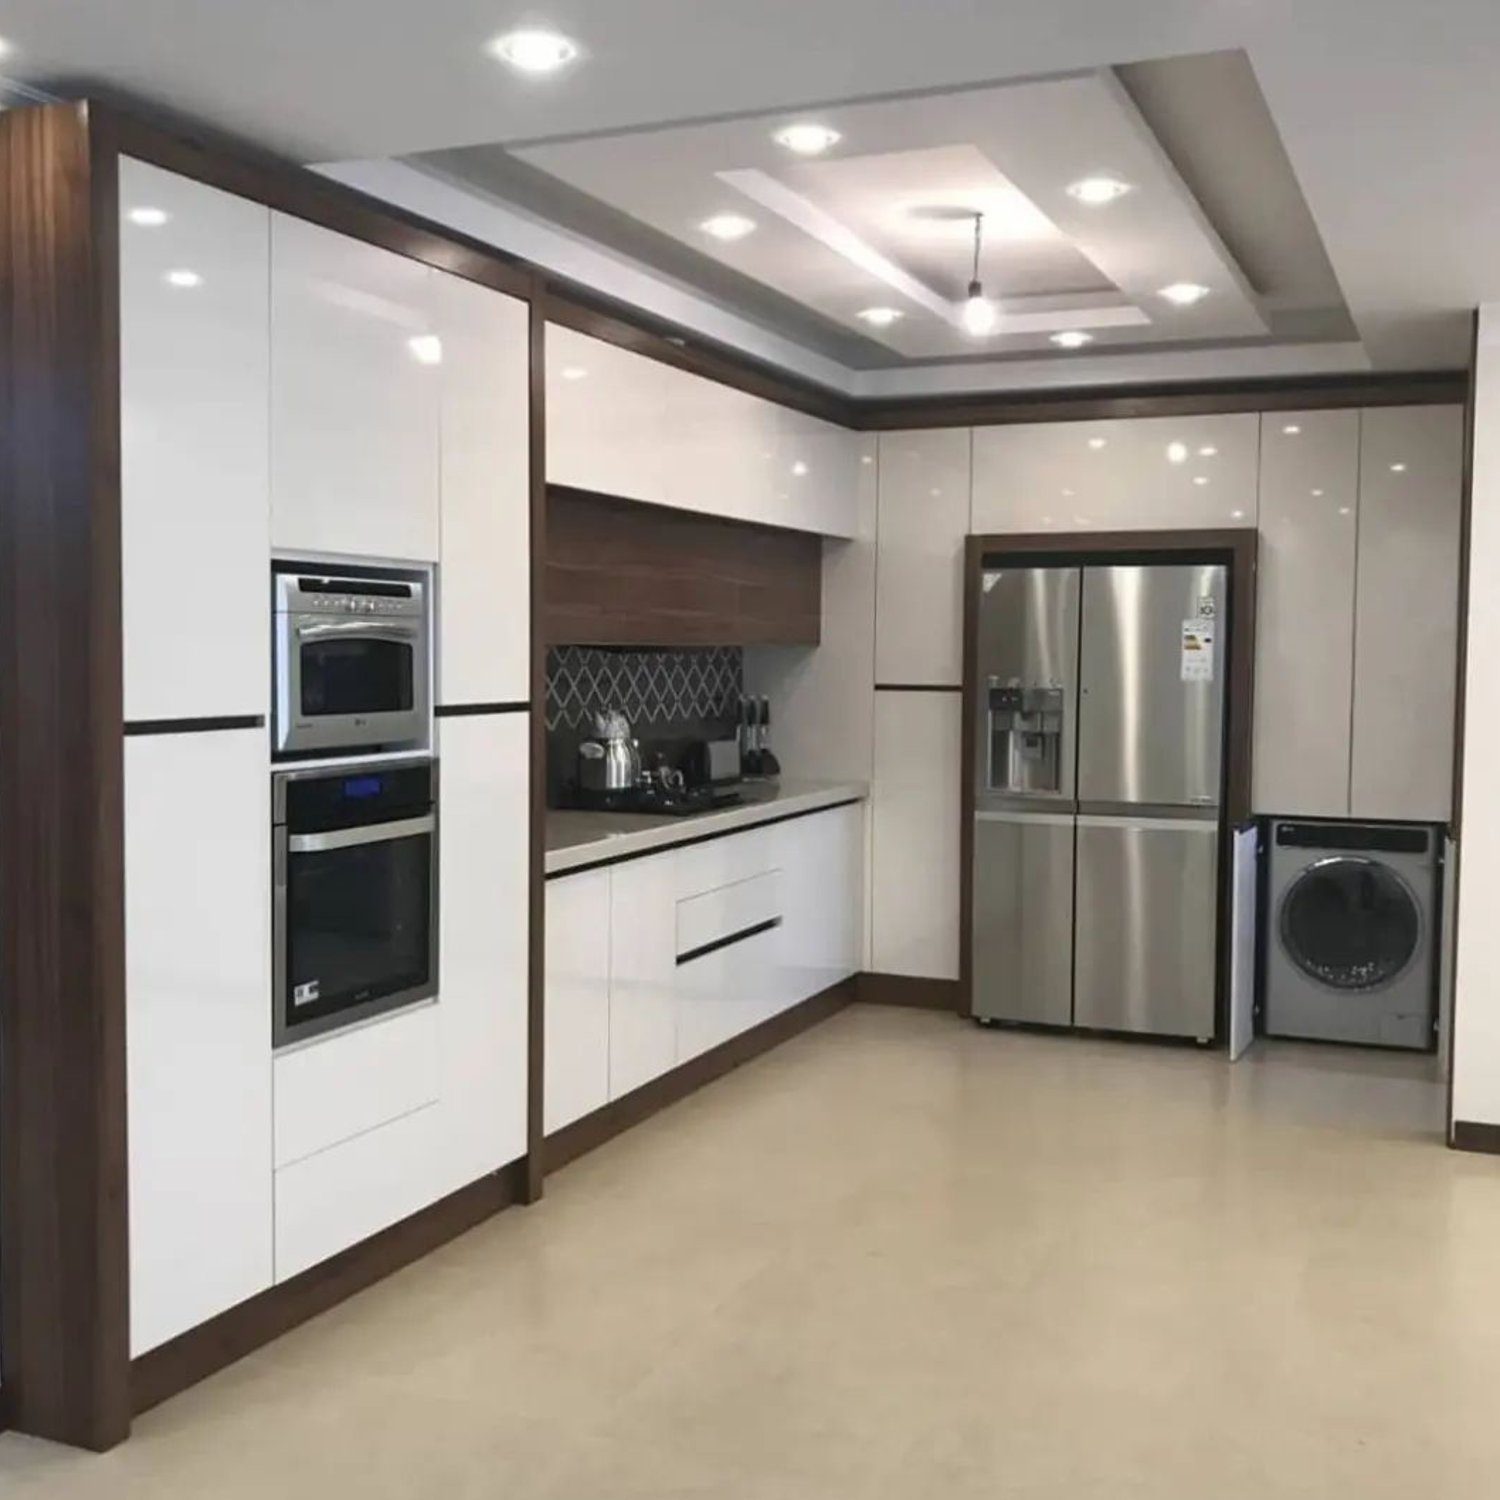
(197, 1027)
(1406, 634)
(923, 518)
(915, 837)
(195, 413)
(1304, 640)
(356, 373)
(485, 582)
(643, 965)
(577, 1000)
(1139, 474)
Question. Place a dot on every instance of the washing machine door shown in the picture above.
(1350, 923)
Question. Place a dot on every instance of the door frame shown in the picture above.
(1238, 550)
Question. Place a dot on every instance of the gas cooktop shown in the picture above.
(653, 801)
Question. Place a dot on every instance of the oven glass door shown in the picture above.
(345, 671)
(360, 924)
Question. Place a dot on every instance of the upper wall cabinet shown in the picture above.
(1304, 639)
(1158, 473)
(623, 424)
(356, 377)
(194, 407)
(1406, 630)
(923, 518)
(485, 579)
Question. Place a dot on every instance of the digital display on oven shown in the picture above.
(359, 788)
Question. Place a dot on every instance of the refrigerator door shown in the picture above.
(1147, 921)
(1023, 917)
(1151, 685)
(1026, 655)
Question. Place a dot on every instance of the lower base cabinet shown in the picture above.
(654, 961)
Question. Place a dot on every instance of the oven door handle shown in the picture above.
(348, 838)
(369, 629)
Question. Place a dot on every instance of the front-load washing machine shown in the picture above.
(1352, 932)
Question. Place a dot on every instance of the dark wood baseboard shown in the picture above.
(202, 1351)
(582, 1136)
(1470, 1136)
(916, 993)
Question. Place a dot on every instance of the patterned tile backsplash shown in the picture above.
(654, 689)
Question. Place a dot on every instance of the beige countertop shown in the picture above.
(577, 840)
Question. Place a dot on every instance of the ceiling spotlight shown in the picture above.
(1200, 479)
(1292, 430)
(807, 139)
(573, 372)
(533, 51)
(799, 468)
(1236, 515)
(1317, 494)
(1346, 510)
(979, 314)
(1208, 452)
(728, 226)
(147, 218)
(426, 349)
(1398, 468)
(1095, 191)
(880, 317)
(1184, 293)
(1177, 453)
(1073, 338)
(184, 279)
(1097, 443)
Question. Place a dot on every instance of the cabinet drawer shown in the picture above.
(720, 862)
(717, 918)
(353, 1081)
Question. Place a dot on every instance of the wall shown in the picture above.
(1476, 1019)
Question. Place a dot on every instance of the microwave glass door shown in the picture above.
(344, 672)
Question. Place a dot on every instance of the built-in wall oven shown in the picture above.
(355, 894)
(351, 662)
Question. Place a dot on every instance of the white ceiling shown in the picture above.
(1388, 110)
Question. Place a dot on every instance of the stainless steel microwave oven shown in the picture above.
(351, 663)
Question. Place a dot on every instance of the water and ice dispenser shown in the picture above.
(1025, 738)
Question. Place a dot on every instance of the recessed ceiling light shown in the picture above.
(1184, 293)
(1072, 338)
(1177, 453)
(1097, 443)
(184, 278)
(1236, 515)
(573, 372)
(1292, 429)
(147, 218)
(880, 317)
(799, 468)
(1317, 494)
(426, 349)
(1398, 468)
(1208, 452)
(866, 458)
(728, 226)
(534, 50)
(1098, 190)
(1200, 479)
(1345, 510)
(807, 139)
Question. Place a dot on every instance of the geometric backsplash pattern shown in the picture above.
(648, 687)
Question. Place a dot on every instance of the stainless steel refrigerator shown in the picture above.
(1100, 727)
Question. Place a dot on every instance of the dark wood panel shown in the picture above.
(914, 993)
(620, 573)
(536, 870)
(212, 1346)
(572, 1141)
(64, 1275)
(1176, 399)
(1469, 1136)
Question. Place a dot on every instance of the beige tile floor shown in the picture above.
(903, 1258)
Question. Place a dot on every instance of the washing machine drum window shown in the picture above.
(1352, 924)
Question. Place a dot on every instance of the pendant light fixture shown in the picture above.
(979, 312)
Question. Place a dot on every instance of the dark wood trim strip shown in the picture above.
(742, 936)
(582, 1136)
(911, 991)
(919, 687)
(1468, 1135)
(475, 710)
(64, 1256)
(202, 1351)
(702, 838)
(194, 726)
(1166, 399)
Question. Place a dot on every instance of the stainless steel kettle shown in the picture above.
(612, 762)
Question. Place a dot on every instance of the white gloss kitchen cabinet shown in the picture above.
(194, 434)
(658, 959)
(1357, 617)
(621, 423)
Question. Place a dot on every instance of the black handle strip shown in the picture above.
(725, 942)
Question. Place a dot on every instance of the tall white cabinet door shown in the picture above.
(576, 1050)
(197, 1027)
(356, 376)
(822, 859)
(483, 868)
(195, 410)
(915, 837)
(1304, 617)
(643, 970)
(1406, 632)
(484, 645)
(923, 519)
